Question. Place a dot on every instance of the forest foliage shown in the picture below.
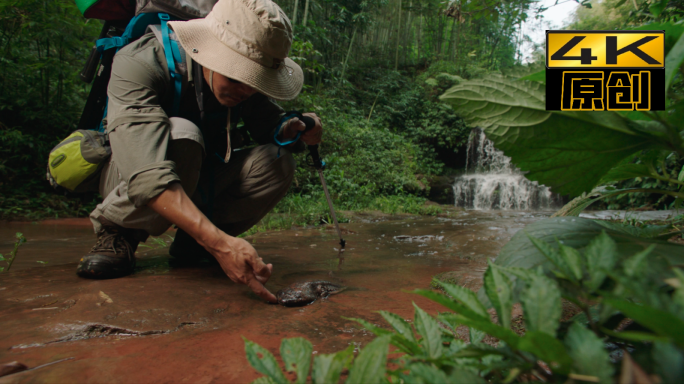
(373, 70)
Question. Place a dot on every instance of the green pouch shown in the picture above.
(76, 163)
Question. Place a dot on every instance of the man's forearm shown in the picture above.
(175, 206)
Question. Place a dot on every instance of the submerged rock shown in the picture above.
(299, 294)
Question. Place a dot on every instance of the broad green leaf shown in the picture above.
(265, 364)
(662, 232)
(424, 373)
(1, 257)
(573, 259)
(588, 353)
(672, 32)
(551, 254)
(658, 7)
(328, 367)
(399, 324)
(634, 264)
(369, 366)
(466, 297)
(548, 349)
(673, 61)
(601, 256)
(669, 362)
(537, 76)
(567, 151)
(465, 376)
(661, 322)
(498, 288)
(296, 354)
(541, 302)
(626, 171)
(483, 325)
(429, 329)
(577, 232)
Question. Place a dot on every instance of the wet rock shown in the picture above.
(10, 368)
(441, 189)
(299, 294)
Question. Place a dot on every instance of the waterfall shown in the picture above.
(492, 182)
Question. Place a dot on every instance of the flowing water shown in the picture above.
(492, 182)
(172, 324)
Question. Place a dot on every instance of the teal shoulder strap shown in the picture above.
(172, 56)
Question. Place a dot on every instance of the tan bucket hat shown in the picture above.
(245, 40)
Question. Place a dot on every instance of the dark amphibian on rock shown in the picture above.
(299, 294)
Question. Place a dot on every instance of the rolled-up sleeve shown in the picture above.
(138, 127)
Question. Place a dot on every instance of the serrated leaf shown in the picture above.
(476, 336)
(328, 367)
(377, 331)
(548, 349)
(573, 259)
(635, 263)
(450, 303)
(266, 364)
(588, 353)
(498, 288)
(577, 232)
(601, 256)
(296, 354)
(484, 325)
(567, 151)
(537, 76)
(541, 302)
(370, 365)
(551, 254)
(399, 324)
(466, 297)
(424, 373)
(429, 329)
(661, 322)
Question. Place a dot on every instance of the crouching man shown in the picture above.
(188, 170)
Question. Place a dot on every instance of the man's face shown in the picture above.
(229, 92)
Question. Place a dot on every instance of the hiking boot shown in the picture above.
(112, 256)
(186, 251)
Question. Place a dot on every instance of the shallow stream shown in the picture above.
(186, 324)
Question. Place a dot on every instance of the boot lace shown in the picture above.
(112, 241)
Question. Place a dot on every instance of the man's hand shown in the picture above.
(294, 126)
(238, 259)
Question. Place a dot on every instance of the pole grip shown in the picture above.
(313, 149)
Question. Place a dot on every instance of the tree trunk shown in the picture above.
(306, 12)
(351, 43)
(294, 15)
(396, 56)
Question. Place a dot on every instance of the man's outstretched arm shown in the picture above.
(238, 259)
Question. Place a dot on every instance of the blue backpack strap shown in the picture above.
(172, 55)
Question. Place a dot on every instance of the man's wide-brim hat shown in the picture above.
(248, 41)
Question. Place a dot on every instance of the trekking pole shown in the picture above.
(320, 165)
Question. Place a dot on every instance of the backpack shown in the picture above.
(75, 163)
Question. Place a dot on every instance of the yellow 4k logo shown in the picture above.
(603, 49)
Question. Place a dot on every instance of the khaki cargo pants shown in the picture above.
(244, 190)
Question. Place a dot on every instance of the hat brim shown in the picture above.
(283, 83)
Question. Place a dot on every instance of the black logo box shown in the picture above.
(554, 85)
